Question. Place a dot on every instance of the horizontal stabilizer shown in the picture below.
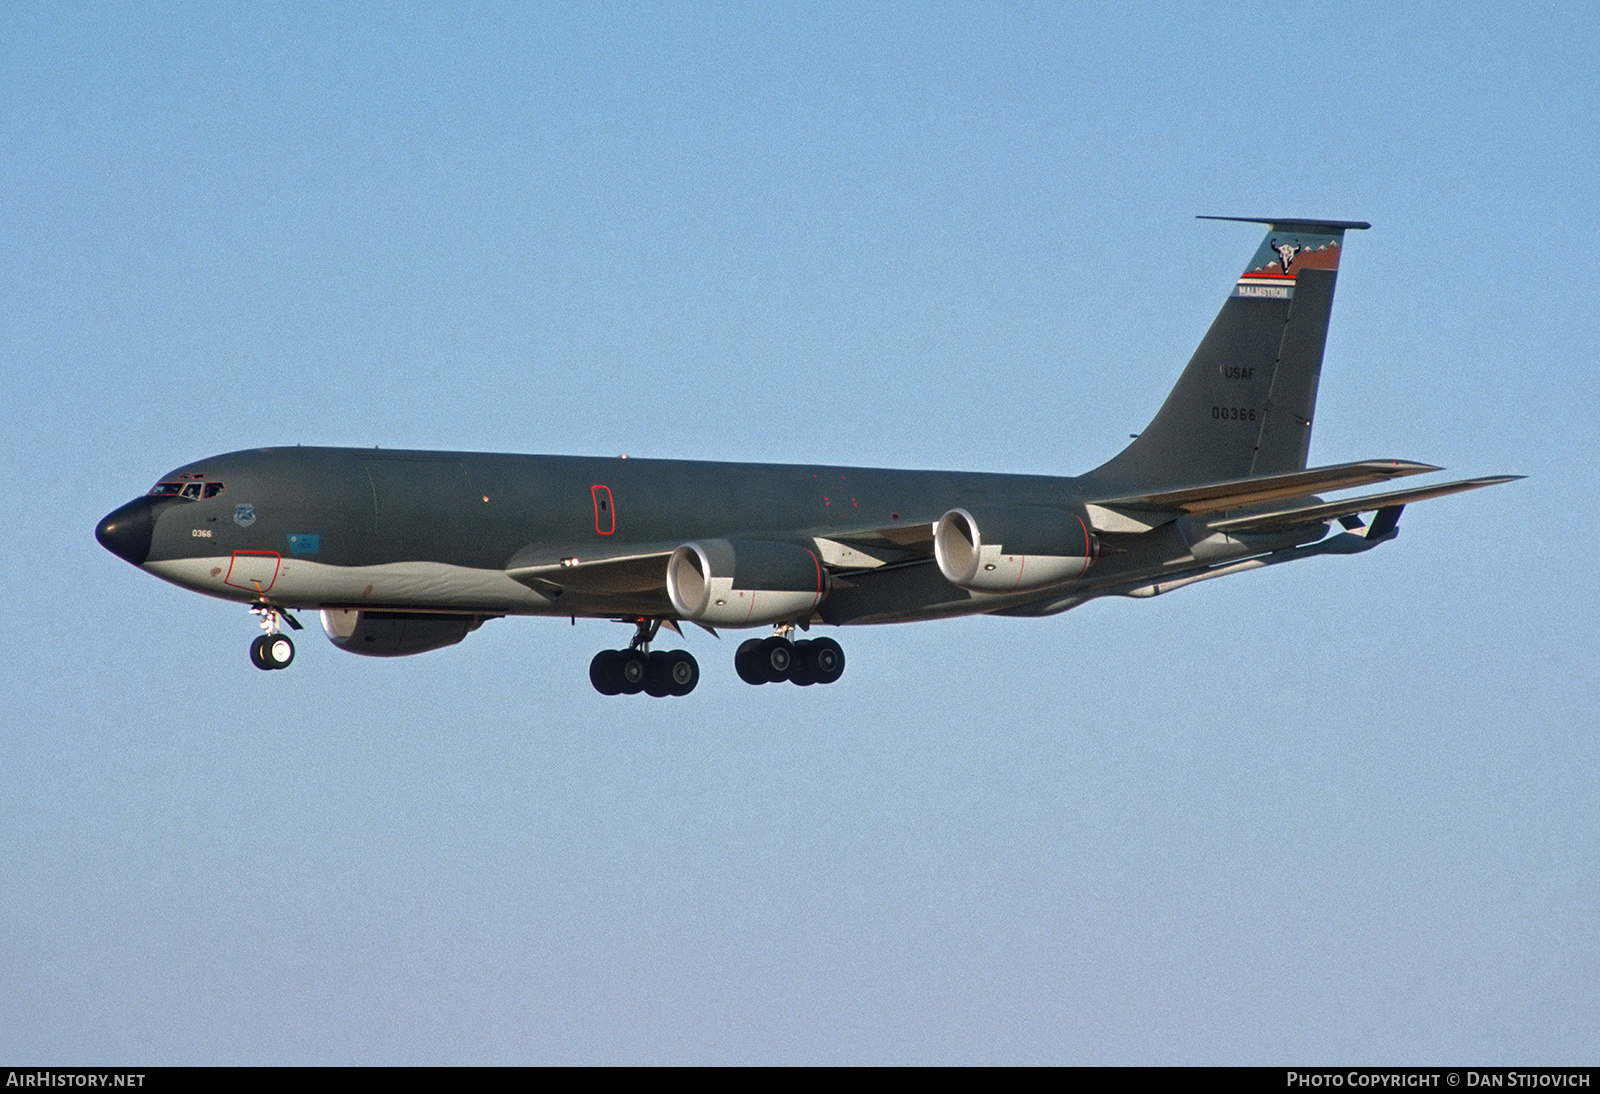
(1310, 514)
(1242, 493)
(1297, 224)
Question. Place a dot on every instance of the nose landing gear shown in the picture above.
(657, 673)
(272, 649)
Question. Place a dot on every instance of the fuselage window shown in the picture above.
(191, 490)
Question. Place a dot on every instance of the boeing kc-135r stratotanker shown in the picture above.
(404, 552)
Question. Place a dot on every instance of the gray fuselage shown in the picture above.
(443, 531)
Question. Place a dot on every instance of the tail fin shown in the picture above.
(1244, 405)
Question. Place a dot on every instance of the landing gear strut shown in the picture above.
(272, 649)
(659, 673)
(771, 660)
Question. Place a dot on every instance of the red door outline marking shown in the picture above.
(250, 574)
(605, 510)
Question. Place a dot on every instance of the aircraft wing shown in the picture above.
(1284, 519)
(642, 570)
(871, 548)
(638, 571)
(1141, 512)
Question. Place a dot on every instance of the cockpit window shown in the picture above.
(192, 490)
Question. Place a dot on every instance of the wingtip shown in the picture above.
(1408, 467)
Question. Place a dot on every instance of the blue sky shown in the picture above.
(1344, 811)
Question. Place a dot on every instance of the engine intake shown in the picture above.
(744, 583)
(1009, 549)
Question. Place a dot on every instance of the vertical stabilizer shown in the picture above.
(1244, 405)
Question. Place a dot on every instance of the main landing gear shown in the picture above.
(272, 649)
(675, 672)
(637, 668)
(770, 660)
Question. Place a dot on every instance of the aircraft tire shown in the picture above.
(683, 672)
(744, 662)
(826, 659)
(258, 654)
(605, 672)
(801, 671)
(277, 651)
(658, 681)
(633, 670)
(775, 659)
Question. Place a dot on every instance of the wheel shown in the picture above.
(658, 682)
(683, 672)
(744, 662)
(827, 660)
(802, 671)
(775, 658)
(605, 672)
(633, 669)
(258, 654)
(277, 652)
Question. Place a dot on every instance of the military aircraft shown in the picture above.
(404, 552)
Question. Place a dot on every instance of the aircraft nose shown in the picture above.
(126, 531)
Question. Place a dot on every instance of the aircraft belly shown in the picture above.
(411, 585)
(906, 594)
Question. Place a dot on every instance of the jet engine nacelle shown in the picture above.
(395, 634)
(1011, 548)
(739, 583)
